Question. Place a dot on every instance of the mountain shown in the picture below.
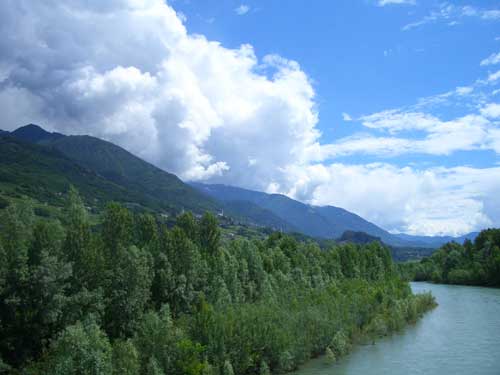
(343, 220)
(324, 222)
(120, 167)
(320, 221)
(34, 134)
(357, 237)
(250, 213)
(44, 174)
(296, 214)
(435, 241)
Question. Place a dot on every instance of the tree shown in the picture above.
(79, 247)
(117, 229)
(152, 367)
(155, 338)
(47, 238)
(147, 230)
(227, 369)
(209, 233)
(187, 223)
(14, 285)
(77, 229)
(128, 292)
(81, 349)
(264, 368)
(125, 358)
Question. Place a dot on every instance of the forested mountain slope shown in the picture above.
(45, 175)
(121, 167)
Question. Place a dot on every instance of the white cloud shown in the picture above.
(470, 132)
(178, 100)
(128, 71)
(493, 77)
(395, 121)
(398, 2)
(491, 60)
(451, 14)
(242, 10)
(491, 110)
(464, 90)
(431, 201)
(346, 117)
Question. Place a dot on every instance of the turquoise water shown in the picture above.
(460, 336)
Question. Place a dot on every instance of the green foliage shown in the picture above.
(130, 296)
(209, 233)
(475, 263)
(125, 358)
(81, 349)
(116, 229)
(128, 291)
(330, 355)
(152, 368)
(227, 369)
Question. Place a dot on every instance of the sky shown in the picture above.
(387, 108)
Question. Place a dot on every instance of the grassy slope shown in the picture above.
(45, 174)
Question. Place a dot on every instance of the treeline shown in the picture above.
(130, 296)
(473, 263)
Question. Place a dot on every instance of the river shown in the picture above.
(460, 336)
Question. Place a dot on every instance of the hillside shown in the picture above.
(250, 213)
(120, 167)
(44, 174)
(297, 214)
(320, 221)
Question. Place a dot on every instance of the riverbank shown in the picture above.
(459, 337)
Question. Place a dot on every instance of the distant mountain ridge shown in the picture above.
(319, 221)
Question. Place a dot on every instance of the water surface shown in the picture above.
(460, 336)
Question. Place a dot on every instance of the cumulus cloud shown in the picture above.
(129, 71)
(242, 10)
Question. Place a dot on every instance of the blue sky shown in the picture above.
(387, 108)
(357, 54)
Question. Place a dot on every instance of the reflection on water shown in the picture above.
(460, 336)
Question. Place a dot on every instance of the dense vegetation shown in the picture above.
(473, 263)
(120, 175)
(129, 296)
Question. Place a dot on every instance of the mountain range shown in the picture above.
(119, 167)
(319, 221)
(41, 163)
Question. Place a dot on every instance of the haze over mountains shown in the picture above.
(103, 170)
